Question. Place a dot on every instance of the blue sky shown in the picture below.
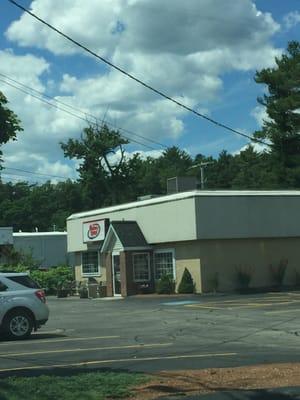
(196, 51)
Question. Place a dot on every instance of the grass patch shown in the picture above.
(88, 386)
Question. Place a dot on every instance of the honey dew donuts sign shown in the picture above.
(94, 231)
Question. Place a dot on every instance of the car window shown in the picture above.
(25, 281)
(3, 287)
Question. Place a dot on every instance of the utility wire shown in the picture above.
(87, 114)
(69, 112)
(121, 70)
(35, 173)
(8, 176)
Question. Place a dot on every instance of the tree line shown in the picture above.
(105, 180)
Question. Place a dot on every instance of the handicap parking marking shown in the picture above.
(121, 360)
(180, 302)
(77, 350)
(243, 304)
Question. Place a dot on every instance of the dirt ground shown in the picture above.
(211, 380)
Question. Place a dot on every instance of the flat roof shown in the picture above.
(34, 234)
(181, 196)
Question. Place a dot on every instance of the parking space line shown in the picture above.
(37, 341)
(135, 346)
(282, 311)
(99, 362)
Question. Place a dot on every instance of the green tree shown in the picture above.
(102, 179)
(186, 284)
(173, 162)
(9, 123)
(282, 102)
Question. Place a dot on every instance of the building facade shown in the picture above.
(214, 234)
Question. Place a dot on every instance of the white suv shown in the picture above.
(22, 305)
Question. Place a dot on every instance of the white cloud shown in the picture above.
(260, 115)
(257, 147)
(291, 19)
(116, 157)
(181, 49)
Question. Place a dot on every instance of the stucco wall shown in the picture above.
(186, 256)
(162, 222)
(224, 257)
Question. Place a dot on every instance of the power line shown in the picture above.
(87, 114)
(35, 173)
(8, 176)
(69, 112)
(121, 70)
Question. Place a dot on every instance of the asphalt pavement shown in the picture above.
(160, 333)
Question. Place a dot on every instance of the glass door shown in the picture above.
(116, 274)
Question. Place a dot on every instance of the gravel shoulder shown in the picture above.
(192, 382)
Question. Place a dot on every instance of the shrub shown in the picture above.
(278, 272)
(165, 285)
(187, 284)
(214, 282)
(18, 261)
(53, 279)
(297, 279)
(83, 290)
(244, 276)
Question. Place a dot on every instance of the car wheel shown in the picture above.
(18, 325)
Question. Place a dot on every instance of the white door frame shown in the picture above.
(115, 253)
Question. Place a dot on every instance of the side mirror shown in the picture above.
(3, 287)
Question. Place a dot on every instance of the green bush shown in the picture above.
(187, 284)
(54, 278)
(165, 285)
(19, 261)
(244, 276)
(297, 279)
(60, 277)
(278, 272)
(214, 282)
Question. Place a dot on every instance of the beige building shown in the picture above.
(214, 234)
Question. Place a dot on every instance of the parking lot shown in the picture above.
(159, 333)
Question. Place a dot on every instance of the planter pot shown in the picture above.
(102, 291)
(84, 294)
(62, 293)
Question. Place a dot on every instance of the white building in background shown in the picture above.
(46, 248)
(6, 241)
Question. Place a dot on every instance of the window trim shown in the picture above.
(149, 269)
(89, 274)
(169, 250)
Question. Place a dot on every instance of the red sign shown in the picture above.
(94, 230)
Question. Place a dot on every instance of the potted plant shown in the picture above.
(243, 277)
(83, 290)
(63, 289)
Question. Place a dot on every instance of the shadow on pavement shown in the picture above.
(34, 337)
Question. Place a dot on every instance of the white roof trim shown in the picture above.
(110, 232)
(184, 195)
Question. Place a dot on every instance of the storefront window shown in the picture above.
(141, 267)
(164, 263)
(90, 263)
